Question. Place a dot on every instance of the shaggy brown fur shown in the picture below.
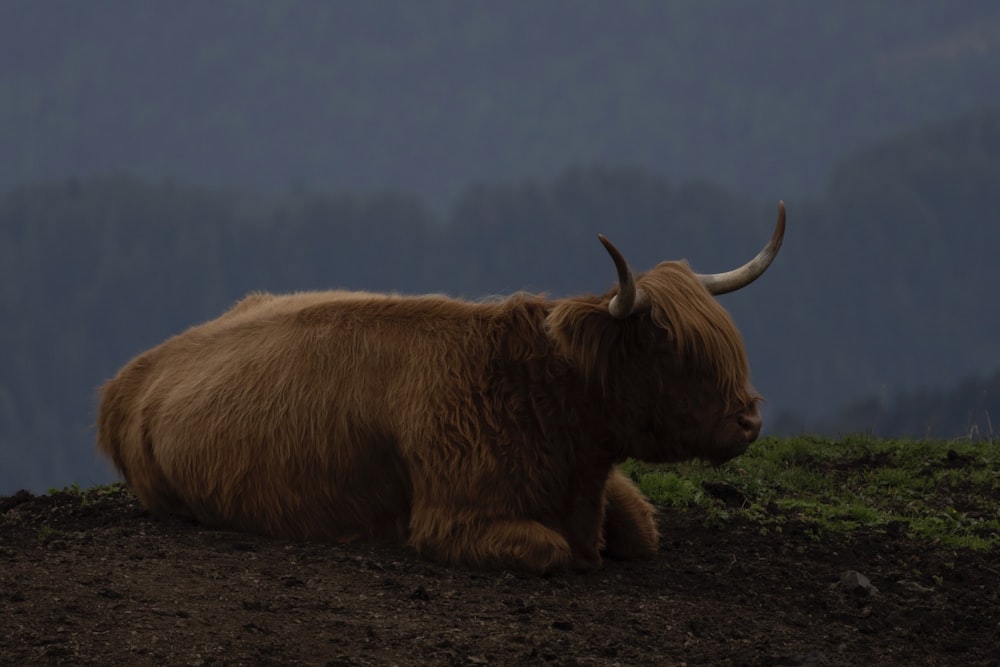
(484, 434)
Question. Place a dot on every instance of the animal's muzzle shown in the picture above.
(750, 422)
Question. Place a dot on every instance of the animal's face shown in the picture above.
(697, 419)
(685, 404)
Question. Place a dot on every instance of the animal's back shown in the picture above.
(285, 414)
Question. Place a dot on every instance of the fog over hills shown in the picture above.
(430, 97)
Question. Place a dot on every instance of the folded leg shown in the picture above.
(629, 520)
(522, 545)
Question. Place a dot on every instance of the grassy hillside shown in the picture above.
(948, 492)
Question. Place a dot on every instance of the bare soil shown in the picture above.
(93, 579)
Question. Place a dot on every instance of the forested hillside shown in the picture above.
(886, 281)
(760, 97)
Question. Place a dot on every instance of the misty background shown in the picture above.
(159, 160)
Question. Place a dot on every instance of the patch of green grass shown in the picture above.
(669, 488)
(948, 492)
(91, 496)
(73, 489)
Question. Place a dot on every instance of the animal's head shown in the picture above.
(670, 362)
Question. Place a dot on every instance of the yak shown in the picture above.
(483, 434)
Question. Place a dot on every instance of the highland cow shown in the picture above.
(482, 434)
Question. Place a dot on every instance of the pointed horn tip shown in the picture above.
(615, 253)
(779, 228)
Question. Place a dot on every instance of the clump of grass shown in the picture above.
(91, 496)
(948, 492)
(671, 489)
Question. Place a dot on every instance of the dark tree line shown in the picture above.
(968, 410)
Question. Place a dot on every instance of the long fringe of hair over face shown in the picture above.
(703, 337)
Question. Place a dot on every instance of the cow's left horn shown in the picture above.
(629, 299)
(730, 281)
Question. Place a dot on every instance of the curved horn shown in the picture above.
(730, 281)
(629, 299)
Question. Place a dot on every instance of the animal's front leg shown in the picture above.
(629, 520)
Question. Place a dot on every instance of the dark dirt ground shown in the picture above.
(93, 579)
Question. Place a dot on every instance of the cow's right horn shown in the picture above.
(629, 299)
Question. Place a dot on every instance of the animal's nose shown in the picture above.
(750, 422)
